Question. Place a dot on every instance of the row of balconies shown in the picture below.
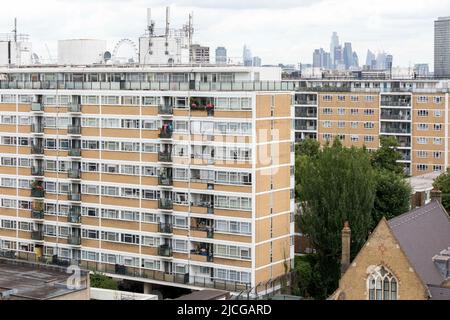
(72, 108)
(71, 239)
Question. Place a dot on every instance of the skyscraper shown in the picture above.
(442, 47)
(370, 59)
(321, 59)
(338, 58)
(355, 59)
(333, 45)
(256, 61)
(348, 55)
(221, 55)
(247, 57)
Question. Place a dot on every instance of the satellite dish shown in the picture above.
(107, 56)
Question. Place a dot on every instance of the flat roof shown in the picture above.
(34, 281)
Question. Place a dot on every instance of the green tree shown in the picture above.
(442, 183)
(308, 147)
(392, 196)
(386, 157)
(99, 280)
(335, 186)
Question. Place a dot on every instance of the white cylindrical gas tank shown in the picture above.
(81, 51)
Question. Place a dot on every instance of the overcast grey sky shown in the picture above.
(276, 30)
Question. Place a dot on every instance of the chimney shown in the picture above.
(345, 258)
(436, 194)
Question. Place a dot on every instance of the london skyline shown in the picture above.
(282, 32)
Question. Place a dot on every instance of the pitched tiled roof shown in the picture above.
(423, 233)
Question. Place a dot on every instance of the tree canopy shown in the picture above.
(337, 185)
(386, 157)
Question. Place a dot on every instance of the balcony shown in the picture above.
(165, 134)
(165, 204)
(74, 152)
(202, 104)
(74, 108)
(205, 231)
(165, 250)
(165, 228)
(165, 156)
(396, 128)
(73, 129)
(165, 110)
(37, 235)
(37, 106)
(202, 255)
(394, 114)
(35, 149)
(37, 171)
(74, 240)
(165, 181)
(37, 128)
(74, 174)
(37, 192)
(74, 196)
(37, 214)
(74, 215)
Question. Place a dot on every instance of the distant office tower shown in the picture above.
(348, 55)
(355, 59)
(321, 59)
(256, 61)
(247, 57)
(221, 55)
(389, 61)
(381, 61)
(370, 59)
(442, 47)
(199, 54)
(422, 70)
(334, 43)
(339, 58)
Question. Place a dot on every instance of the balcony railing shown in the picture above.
(37, 214)
(74, 240)
(165, 134)
(158, 86)
(74, 173)
(37, 171)
(37, 235)
(71, 129)
(395, 116)
(395, 130)
(306, 114)
(37, 192)
(166, 204)
(74, 217)
(37, 128)
(388, 103)
(165, 156)
(74, 152)
(74, 107)
(165, 228)
(165, 181)
(35, 149)
(37, 106)
(306, 102)
(208, 230)
(165, 110)
(74, 196)
(165, 250)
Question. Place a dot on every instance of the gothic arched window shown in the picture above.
(382, 285)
